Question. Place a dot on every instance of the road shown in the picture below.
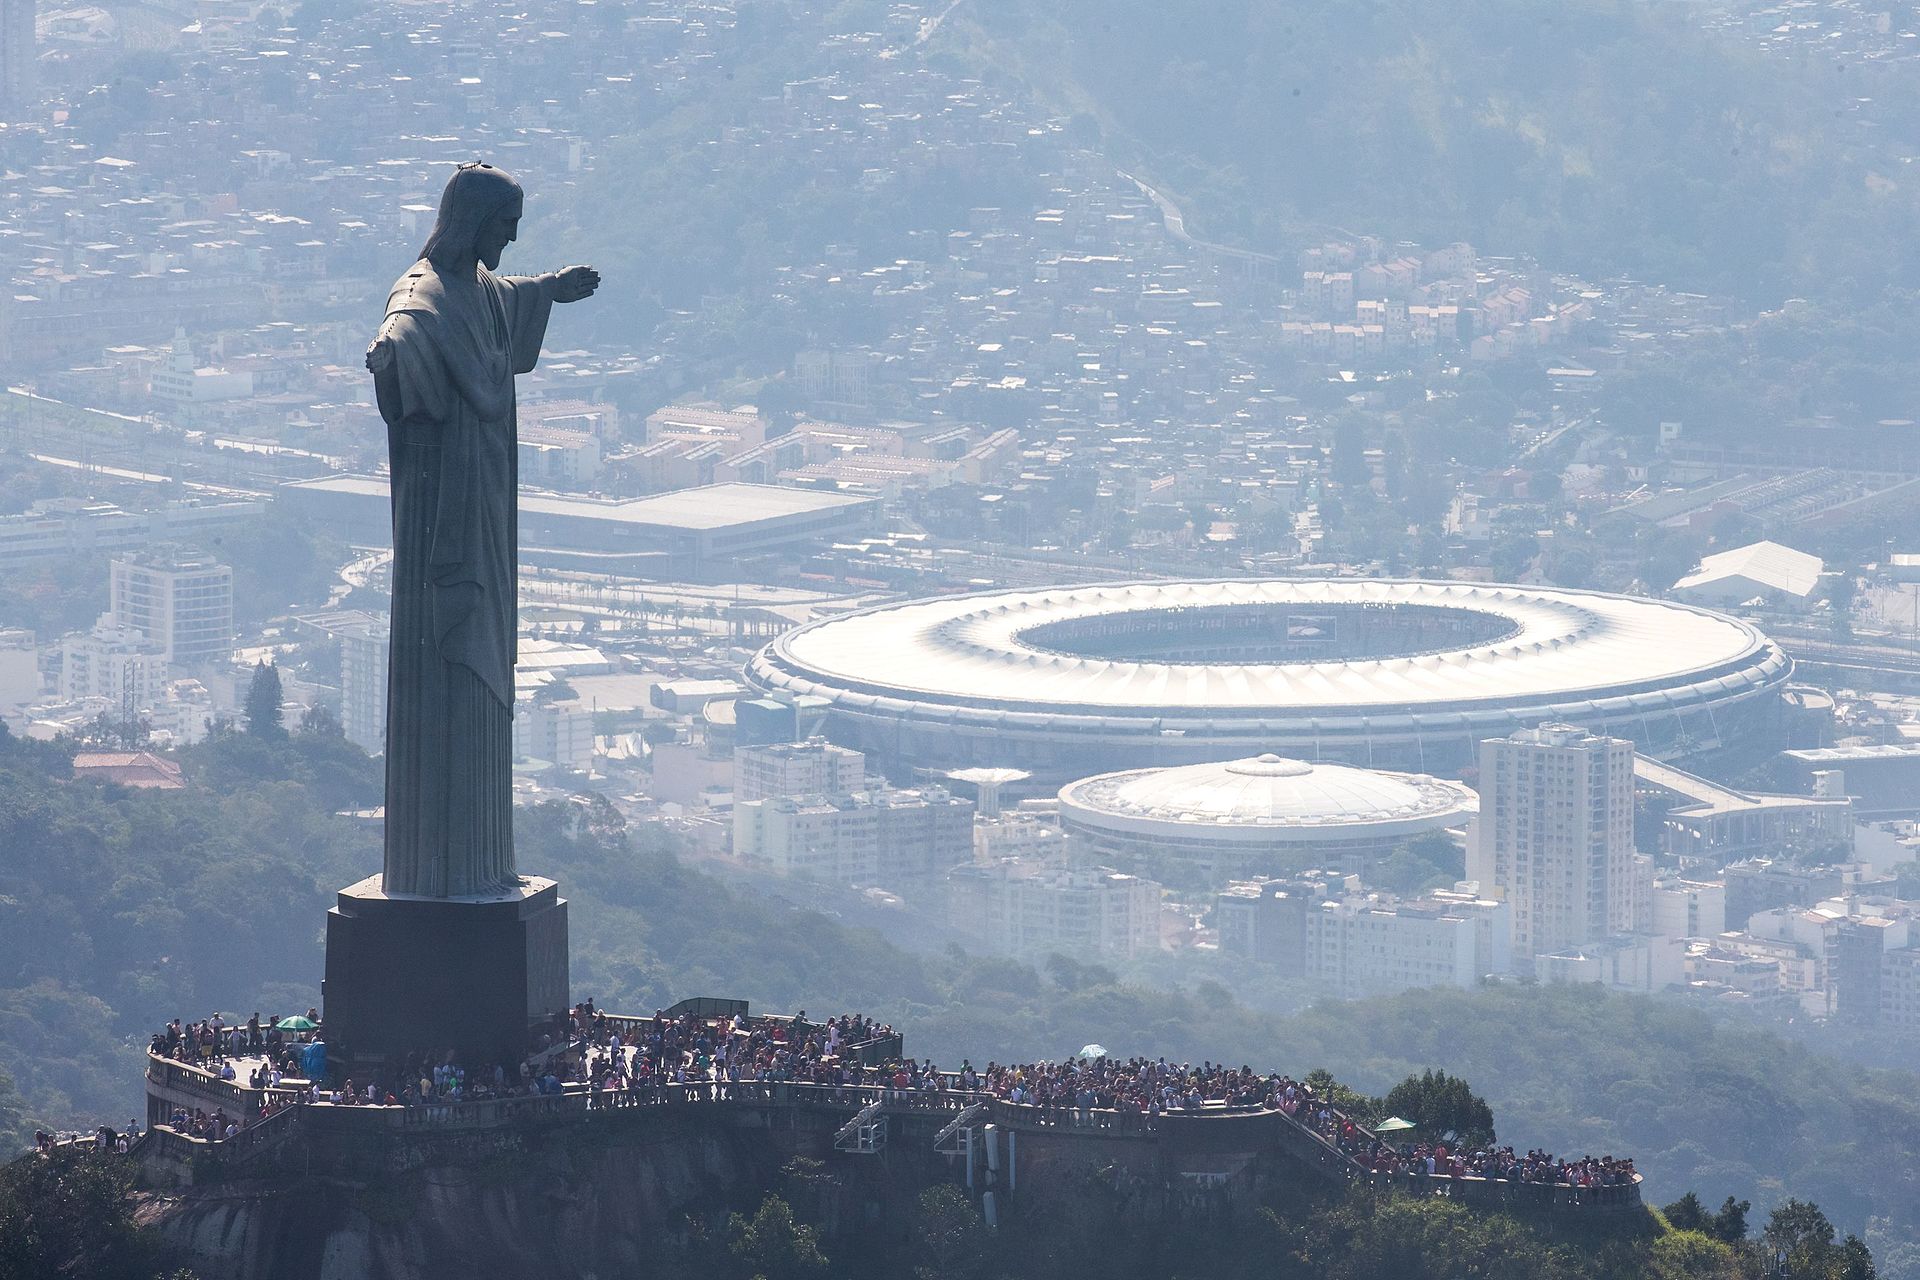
(1176, 224)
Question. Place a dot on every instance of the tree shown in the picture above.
(1431, 861)
(772, 1246)
(1799, 1233)
(264, 696)
(319, 721)
(1363, 1109)
(70, 1216)
(1855, 1261)
(1691, 1255)
(1687, 1214)
(1441, 1104)
(1348, 464)
(1069, 974)
(1840, 592)
(949, 1237)
(13, 1124)
(1730, 1224)
(126, 733)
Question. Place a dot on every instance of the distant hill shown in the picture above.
(1601, 136)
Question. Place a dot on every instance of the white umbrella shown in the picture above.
(1094, 1051)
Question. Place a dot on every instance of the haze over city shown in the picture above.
(760, 638)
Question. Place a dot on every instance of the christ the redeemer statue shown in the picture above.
(443, 366)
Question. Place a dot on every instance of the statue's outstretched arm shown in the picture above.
(572, 284)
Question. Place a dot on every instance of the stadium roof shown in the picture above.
(1523, 645)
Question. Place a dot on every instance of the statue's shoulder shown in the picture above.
(419, 291)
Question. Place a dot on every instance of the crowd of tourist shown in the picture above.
(104, 1138)
(1441, 1160)
(727, 1051)
(213, 1043)
(1069, 1091)
(690, 1057)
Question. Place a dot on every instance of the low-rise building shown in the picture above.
(813, 767)
(142, 770)
(1353, 944)
(1685, 908)
(1765, 571)
(114, 662)
(1023, 908)
(881, 836)
(1624, 962)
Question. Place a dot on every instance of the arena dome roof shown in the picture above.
(1269, 799)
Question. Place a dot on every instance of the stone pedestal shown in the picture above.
(479, 976)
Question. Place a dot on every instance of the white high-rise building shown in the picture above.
(19, 668)
(183, 603)
(17, 57)
(560, 733)
(363, 682)
(1555, 836)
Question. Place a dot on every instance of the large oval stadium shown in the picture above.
(1076, 680)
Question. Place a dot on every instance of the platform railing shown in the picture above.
(174, 1074)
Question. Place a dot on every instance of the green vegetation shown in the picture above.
(264, 696)
(120, 909)
(123, 908)
(1439, 1104)
(1094, 1227)
(71, 1218)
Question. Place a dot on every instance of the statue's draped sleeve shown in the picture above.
(450, 389)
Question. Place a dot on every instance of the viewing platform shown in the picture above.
(248, 1132)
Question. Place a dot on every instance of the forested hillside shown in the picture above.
(1598, 135)
(218, 903)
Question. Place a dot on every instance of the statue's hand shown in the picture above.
(575, 283)
(380, 354)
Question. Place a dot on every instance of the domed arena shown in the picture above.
(1071, 681)
(1265, 815)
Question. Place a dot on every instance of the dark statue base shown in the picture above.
(480, 977)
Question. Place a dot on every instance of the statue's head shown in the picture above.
(479, 215)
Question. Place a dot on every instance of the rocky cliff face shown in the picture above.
(565, 1204)
(604, 1194)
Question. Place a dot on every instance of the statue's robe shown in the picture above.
(448, 402)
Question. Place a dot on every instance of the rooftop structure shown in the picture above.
(1709, 819)
(1882, 778)
(1074, 680)
(1760, 570)
(694, 524)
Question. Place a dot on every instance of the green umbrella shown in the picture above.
(299, 1022)
(1394, 1125)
